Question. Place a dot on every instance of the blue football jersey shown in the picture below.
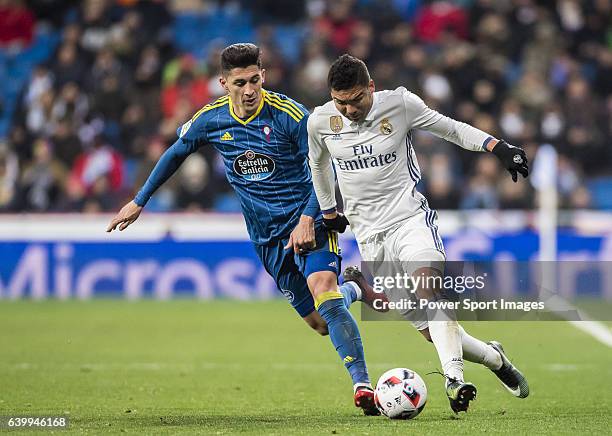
(265, 157)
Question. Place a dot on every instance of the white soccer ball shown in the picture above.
(400, 394)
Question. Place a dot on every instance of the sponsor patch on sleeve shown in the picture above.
(185, 128)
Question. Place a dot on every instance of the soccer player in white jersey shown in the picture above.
(367, 134)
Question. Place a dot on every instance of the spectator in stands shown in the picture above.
(16, 25)
(147, 80)
(106, 64)
(110, 100)
(194, 192)
(9, 174)
(40, 82)
(338, 24)
(135, 129)
(481, 190)
(165, 198)
(68, 67)
(70, 104)
(439, 18)
(441, 187)
(185, 83)
(310, 80)
(42, 179)
(95, 16)
(66, 144)
(99, 169)
(40, 113)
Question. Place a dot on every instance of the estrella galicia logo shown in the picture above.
(254, 166)
(288, 294)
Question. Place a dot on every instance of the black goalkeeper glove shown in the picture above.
(338, 223)
(512, 158)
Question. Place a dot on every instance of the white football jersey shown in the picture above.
(375, 162)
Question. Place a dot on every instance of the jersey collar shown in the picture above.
(252, 117)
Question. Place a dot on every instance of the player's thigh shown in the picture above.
(414, 251)
(321, 266)
(290, 281)
(376, 259)
(416, 244)
(294, 287)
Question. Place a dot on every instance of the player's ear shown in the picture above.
(371, 86)
(223, 82)
(263, 75)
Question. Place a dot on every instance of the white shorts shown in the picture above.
(403, 249)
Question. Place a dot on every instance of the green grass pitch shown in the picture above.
(226, 367)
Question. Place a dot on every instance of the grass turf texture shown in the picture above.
(229, 367)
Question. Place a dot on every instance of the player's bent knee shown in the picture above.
(322, 282)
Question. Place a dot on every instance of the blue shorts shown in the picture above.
(290, 270)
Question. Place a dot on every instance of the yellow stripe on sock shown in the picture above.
(326, 296)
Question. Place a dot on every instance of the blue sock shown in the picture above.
(345, 336)
(348, 292)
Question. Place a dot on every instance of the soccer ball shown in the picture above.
(400, 394)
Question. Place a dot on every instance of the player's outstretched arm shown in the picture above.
(466, 136)
(126, 216)
(170, 161)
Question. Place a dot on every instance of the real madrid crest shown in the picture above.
(335, 123)
(386, 127)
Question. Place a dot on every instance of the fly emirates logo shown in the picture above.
(364, 158)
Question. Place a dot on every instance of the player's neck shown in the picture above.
(241, 112)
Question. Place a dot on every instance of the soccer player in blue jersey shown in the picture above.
(263, 140)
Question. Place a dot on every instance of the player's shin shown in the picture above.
(477, 351)
(344, 334)
(446, 337)
(443, 329)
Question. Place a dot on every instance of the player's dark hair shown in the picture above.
(347, 72)
(240, 55)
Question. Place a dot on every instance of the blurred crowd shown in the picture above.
(92, 120)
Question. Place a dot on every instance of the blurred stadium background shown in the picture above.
(91, 94)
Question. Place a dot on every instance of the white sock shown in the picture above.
(446, 337)
(477, 351)
(356, 288)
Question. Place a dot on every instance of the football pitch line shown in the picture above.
(596, 329)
